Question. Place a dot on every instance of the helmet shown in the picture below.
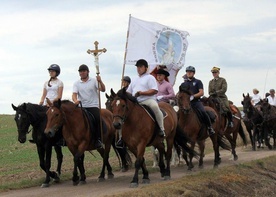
(56, 68)
(83, 67)
(142, 62)
(190, 68)
(127, 79)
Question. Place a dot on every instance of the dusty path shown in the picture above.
(121, 181)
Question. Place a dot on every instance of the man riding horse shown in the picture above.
(217, 89)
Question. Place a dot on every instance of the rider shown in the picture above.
(144, 87)
(218, 88)
(54, 87)
(126, 81)
(85, 91)
(165, 89)
(196, 87)
(271, 98)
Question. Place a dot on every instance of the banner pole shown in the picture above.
(124, 64)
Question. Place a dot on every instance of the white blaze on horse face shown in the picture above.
(52, 110)
(118, 102)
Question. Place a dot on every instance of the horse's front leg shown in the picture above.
(59, 154)
(76, 178)
(82, 170)
(41, 154)
(201, 145)
(191, 165)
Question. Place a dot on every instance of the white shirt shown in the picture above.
(256, 98)
(271, 101)
(87, 92)
(143, 83)
(52, 92)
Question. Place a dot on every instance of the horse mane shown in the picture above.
(123, 94)
(185, 88)
(36, 111)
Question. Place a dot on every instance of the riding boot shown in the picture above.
(230, 119)
(98, 143)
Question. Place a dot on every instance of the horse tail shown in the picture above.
(182, 140)
(123, 156)
(223, 142)
(242, 133)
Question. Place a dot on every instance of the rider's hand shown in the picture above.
(137, 94)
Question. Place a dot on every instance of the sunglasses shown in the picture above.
(214, 72)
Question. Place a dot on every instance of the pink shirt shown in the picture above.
(165, 89)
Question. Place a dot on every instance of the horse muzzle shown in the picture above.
(117, 125)
(185, 110)
(50, 133)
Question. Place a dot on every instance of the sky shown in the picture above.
(237, 36)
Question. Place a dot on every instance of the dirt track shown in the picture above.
(121, 181)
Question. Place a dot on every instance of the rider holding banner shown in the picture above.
(85, 91)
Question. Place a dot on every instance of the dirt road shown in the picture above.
(121, 181)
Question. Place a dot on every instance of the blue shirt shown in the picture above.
(195, 86)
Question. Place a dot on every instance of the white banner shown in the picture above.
(158, 44)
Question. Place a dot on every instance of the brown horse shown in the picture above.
(77, 134)
(139, 130)
(231, 133)
(195, 130)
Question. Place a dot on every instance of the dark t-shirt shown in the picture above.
(195, 85)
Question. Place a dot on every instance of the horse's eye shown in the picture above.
(56, 115)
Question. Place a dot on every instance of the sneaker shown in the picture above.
(211, 131)
(98, 144)
(231, 125)
(120, 143)
(162, 133)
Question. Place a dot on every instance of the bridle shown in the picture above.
(125, 110)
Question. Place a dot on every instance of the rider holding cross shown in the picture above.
(85, 91)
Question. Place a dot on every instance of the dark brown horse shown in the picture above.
(231, 133)
(255, 116)
(195, 130)
(139, 130)
(269, 115)
(78, 136)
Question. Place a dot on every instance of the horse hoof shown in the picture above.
(236, 158)
(110, 176)
(45, 185)
(146, 181)
(133, 185)
(57, 179)
(75, 183)
(165, 178)
(82, 183)
(100, 179)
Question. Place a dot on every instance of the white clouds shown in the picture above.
(239, 36)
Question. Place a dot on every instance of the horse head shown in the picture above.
(183, 98)
(266, 109)
(54, 118)
(22, 122)
(121, 107)
(247, 104)
(109, 99)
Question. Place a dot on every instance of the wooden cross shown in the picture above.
(96, 52)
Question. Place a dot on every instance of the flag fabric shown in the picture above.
(158, 44)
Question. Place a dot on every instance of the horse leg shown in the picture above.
(82, 170)
(146, 179)
(76, 177)
(191, 165)
(161, 164)
(138, 164)
(217, 159)
(233, 145)
(168, 159)
(41, 154)
(155, 156)
(110, 174)
(59, 158)
(201, 145)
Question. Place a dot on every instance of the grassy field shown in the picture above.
(19, 164)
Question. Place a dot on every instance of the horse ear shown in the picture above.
(106, 95)
(113, 94)
(247, 94)
(49, 102)
(243, 95)
(14, 107)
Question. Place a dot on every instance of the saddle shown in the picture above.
(92, 123)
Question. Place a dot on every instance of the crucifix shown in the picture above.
(96, 52)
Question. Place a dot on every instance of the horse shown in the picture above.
(195, 130)
(78, 136)
(139, 130)
(155, 153)
(269, 115)
(256, 118)
(231, 133)
(28, 114)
